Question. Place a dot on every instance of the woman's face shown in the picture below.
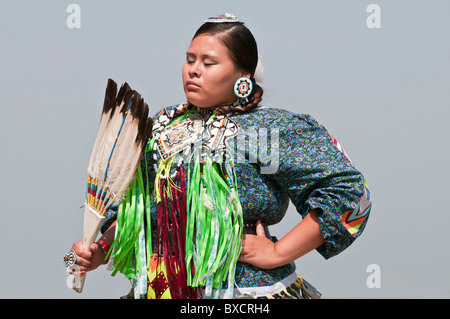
(208, 73)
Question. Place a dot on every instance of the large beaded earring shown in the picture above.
(243, 87)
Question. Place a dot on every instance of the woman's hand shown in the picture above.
(258, 250)
(261, 252)
(88, 260)
(95, 257)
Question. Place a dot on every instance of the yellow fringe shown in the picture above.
(163, 171)
(290, 292)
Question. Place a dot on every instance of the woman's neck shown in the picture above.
(212, 110)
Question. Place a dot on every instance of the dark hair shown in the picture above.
(239, 41)
(243, 51)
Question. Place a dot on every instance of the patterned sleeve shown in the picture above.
(110, 217)
(318, 175)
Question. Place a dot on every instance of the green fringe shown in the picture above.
(130, 220)
(214, 229)
(214, 224)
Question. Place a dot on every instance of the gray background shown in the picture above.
(382, 92)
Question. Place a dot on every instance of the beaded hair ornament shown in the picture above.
(227, 17)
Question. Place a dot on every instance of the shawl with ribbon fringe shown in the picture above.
(199, 222)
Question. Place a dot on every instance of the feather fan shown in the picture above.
(122, 135)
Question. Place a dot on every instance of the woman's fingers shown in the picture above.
(257, 249)
(84, 257)
(260, 229)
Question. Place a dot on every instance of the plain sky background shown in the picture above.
(383, 93)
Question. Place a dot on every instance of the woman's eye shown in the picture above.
(209, 62)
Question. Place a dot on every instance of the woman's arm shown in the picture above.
(261, 252)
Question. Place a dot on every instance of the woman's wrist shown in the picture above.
(106, 241)
(278, 259)
(104, 245)
(303, 238)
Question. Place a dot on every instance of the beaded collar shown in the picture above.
(173, 136)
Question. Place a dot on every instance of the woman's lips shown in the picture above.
(192, 85)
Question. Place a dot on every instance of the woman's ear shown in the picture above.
(246, 74)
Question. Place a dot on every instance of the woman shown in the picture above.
(212, 188)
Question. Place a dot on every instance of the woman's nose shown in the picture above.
(194, 70)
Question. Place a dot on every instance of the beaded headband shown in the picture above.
(227, 17)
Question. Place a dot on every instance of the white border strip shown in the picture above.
(263, 291)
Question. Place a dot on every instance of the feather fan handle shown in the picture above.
(122, 135)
